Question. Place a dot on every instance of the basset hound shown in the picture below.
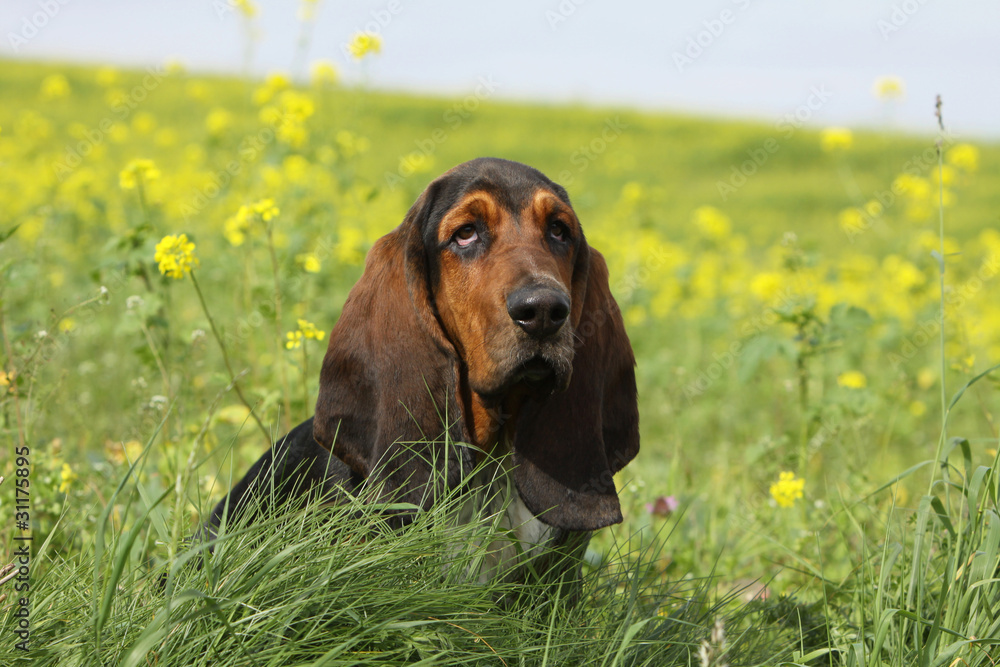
(483, 328)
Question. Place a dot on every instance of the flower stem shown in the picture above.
(225, 357)
(282, 365)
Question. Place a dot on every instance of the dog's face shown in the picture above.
(503, 248)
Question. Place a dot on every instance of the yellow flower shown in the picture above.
(364, 43)
(55, 87)
(310, 263)
(237, 226)
(918, 408)
(888, 87)
(175, 256)
(247, 8)
(137, 171)
(307, 10)
(964, 156)
(218, 121)
(306, 330)
(835, 139)
(415, 163)
(787, 489)
(712, 223)
(5, 379)
(852, 219)
(634, 315)
(197, 90)
(926, 378)
(274, 84)
(265, 209)
(765, 286)
(852, 380)
(324, 73)
(67, 476)
(914, 187)
(107, 76)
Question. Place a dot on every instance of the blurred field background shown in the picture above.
(780, 284)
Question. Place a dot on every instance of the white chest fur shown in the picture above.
(518, 535)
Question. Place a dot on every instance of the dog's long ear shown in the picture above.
(568, 446)
(389, 378)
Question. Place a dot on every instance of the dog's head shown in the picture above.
(486, 302)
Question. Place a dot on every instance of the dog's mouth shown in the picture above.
(535, 371)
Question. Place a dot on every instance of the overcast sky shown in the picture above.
(760, 59)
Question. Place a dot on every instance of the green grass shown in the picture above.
(871, 567)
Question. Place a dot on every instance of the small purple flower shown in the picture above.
(663, 506)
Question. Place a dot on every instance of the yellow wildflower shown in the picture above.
(350, 144)
(136, 172)
(852, 380)
(765, 286)
(273, 84)
(835, 139)
(67, 477)
(309, 262)
(237, 226)
(712, 223)
(144, 122)
(218, 121)
(307, 10)
(197, 90)
(55, 87)
(787, 489)
(5, 379)
(175, 256)
(306, 330)
(415, 163)
(918, 408)
(247, 8)
(106, 76)
(963, 156)
(852, 219)
(926, 378)
(175, 67)
(364, 43)
(324, 73)
(888, 87)
(914, 187)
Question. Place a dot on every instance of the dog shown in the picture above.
(482, 330)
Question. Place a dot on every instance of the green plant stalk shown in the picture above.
(279, 357)
(803, 374)
(225, 357)
(941, 333)
(305, 376)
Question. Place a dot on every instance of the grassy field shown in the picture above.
(796, 484)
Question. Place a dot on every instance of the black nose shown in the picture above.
(540, 311)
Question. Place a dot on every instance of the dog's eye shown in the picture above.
(466, 236)
(558, 230)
